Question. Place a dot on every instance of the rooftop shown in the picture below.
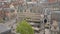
(3, 28)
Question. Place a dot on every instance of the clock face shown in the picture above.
(45, 20)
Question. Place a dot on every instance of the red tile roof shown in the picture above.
(52, 1)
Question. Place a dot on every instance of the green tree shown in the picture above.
(24, 28)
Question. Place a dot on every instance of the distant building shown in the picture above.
(7, 8)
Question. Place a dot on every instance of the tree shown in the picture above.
(24, 28)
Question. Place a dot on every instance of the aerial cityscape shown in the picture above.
(29, 16)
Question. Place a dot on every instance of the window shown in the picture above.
(28, 0)
(1, 3)
(12, 11)
(30, 10)
(21, 8)
(33, 10)
(13, 0)
(8, 0)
